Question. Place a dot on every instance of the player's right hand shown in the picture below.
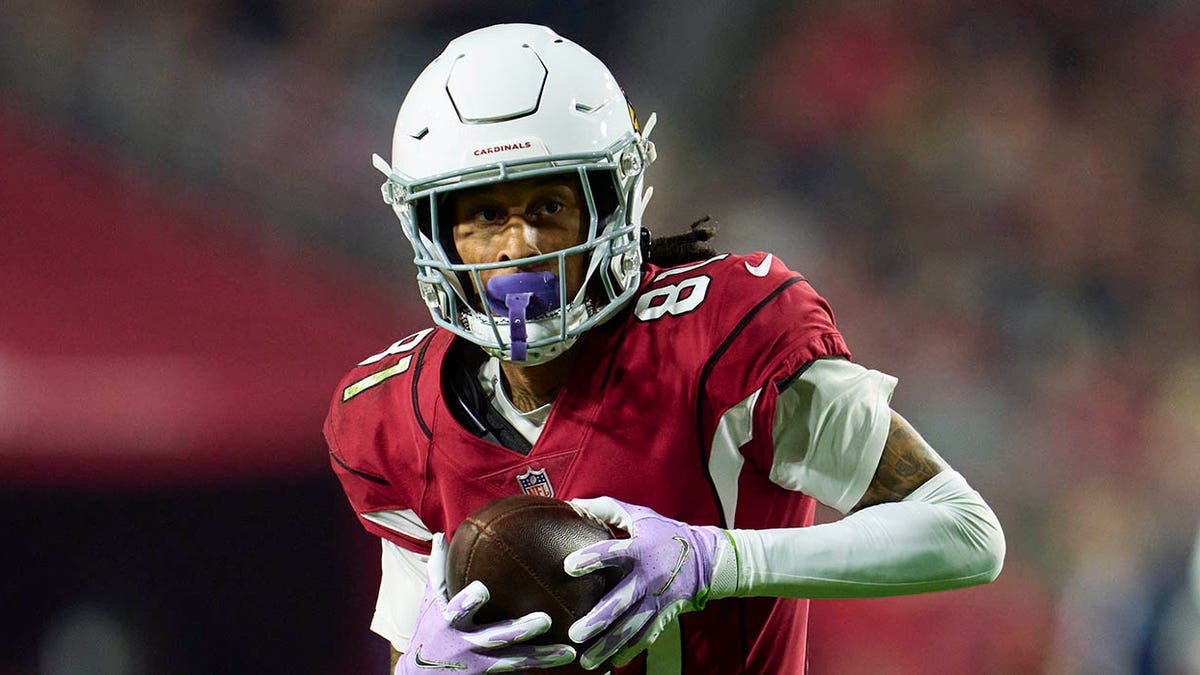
(446, 637)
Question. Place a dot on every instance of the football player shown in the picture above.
(702, 403)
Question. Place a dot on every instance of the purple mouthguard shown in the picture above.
(520, 296)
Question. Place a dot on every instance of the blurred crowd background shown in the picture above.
(1000, 198)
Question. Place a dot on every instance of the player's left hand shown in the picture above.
(670, 568)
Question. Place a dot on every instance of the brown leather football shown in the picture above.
(515, 545)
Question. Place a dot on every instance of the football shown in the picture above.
(516, 545)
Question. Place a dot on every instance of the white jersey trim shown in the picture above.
(725, 460)
(404, 521)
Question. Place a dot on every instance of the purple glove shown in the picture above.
(670, 570)
(446, 637)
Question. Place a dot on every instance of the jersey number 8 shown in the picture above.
(677, 299)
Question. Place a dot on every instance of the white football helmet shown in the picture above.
(510, 102)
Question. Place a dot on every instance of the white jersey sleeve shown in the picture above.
(401, 589)
(829, 430)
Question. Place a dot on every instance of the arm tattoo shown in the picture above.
(906, 464)
(395, 659)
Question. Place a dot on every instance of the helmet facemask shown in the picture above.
(552, 321)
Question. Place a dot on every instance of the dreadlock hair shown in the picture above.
(678, 249)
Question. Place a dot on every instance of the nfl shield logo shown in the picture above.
(536, 483)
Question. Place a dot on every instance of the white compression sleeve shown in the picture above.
(942, 536)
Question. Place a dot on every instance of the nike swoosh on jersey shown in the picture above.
(761, 269)
(433, 664)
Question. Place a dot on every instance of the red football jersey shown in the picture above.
(670, 406)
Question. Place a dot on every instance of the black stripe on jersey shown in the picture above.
(788, 381)
(356, 472)
(708, 367)
(416, 379)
